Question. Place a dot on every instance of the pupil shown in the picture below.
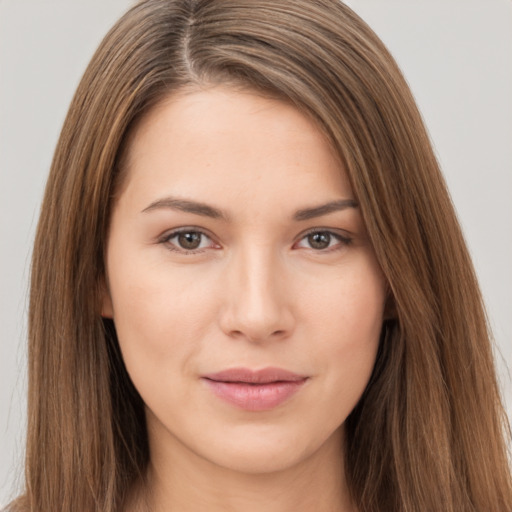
(189, 240)
(319, 240)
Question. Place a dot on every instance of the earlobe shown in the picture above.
(107, 309)
(390, 311)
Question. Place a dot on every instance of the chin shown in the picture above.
(263, 451)
(260, 462)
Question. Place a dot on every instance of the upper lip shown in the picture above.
(263, 376)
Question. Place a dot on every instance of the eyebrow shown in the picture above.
(188, 206)
(205, 210)
(324, 209)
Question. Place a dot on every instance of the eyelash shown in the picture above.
(166, 240)
(342, 240)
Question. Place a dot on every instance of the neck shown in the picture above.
(186, 482)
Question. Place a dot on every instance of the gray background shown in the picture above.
(456, 55)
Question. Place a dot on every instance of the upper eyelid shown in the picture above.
(338, 233)
(167, 235)
(342, 240)
(341, 233)
(318, 229)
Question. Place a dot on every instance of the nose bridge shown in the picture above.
(257, 303)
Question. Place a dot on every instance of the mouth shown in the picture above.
(254, 390)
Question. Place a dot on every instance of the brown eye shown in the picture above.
(323, 241)
(189, 240)
(319, 240)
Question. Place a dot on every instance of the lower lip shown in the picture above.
(255, 397)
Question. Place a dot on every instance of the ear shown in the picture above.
(390, 311)
(105, 300)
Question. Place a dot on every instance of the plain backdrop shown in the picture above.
(455, 54)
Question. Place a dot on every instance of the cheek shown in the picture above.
(351, 303)
(349, 322)
(160, 319)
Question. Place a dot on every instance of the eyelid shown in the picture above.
(343, 238)
(168, 235)
(341, 235)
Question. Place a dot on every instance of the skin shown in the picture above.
(258, 291)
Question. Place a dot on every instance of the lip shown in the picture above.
(255, 390)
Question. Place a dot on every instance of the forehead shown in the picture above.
(225, 141)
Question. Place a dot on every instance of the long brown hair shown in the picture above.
(429, 432)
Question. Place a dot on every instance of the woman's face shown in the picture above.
(245, 293)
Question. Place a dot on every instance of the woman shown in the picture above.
(241, 295)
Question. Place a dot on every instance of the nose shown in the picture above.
(257, 303)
